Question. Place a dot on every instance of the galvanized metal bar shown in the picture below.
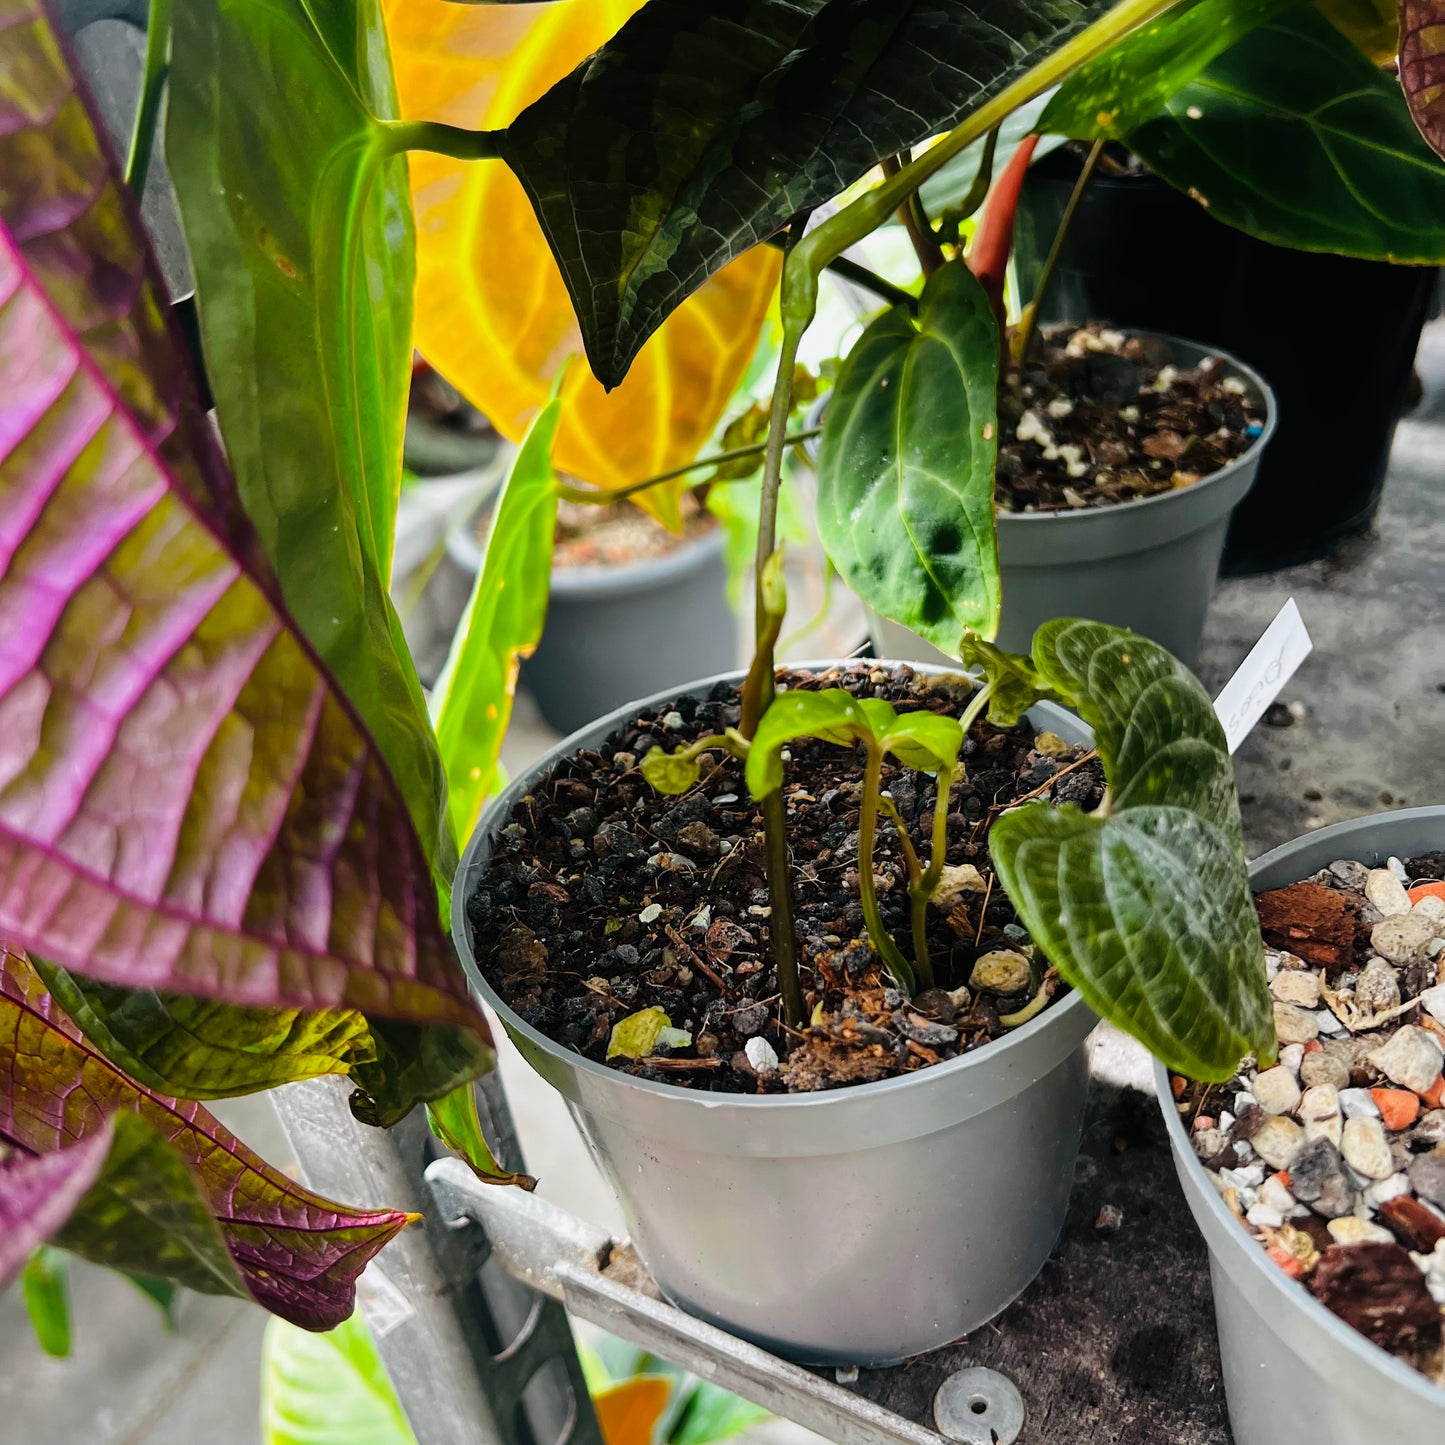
(564, 1257)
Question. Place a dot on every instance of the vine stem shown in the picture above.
(595, 496)
(447, 140)
(1029, 320)
(153, 83)
(882, 941)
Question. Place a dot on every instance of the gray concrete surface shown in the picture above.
(1371, 705)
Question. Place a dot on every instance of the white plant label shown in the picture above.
(1260, 677)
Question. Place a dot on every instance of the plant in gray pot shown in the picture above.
(812, 955)
(1319, 1183)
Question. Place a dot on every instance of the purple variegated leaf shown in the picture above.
(38, 1193)
(1422, 66)
(297, 1254)
(187, 799)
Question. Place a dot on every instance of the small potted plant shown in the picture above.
(1266, 209)
(1319, 1183)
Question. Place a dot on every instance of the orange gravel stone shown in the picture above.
(1433, 889)
(1399, 1108)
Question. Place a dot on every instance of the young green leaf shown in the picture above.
(274, 860)
(1293, 136)
(924, 740)
(1013, 682)
(179, 1196)
(1129, 83)
(454, 1120)
(45, 1281)
(503, 623)
(299, 228)
(1422, 66)
(1144, 908)
(328, 1389)
(671, 773)
(695, 133)
(906, 462)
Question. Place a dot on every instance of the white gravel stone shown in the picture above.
(1276, 1091)
(956, 880)
(761, 1054)
(1350, 1230)
(1431, 908)
(1433, 1266)
(1291, 1056)
(1359, 1104)
(1433, 1002)
(1293, 985)
(1319, 1112)
(1278, 1142)
(1402, 938)
(1328, 1023)
(1273, 1193)
(1398, 869)
(1386, 1190)
(1249, 1176)
(1378, 987)
(1411, 1059)
(650, 914)
(1001, 970)
(1242, 1101)
(1366, 1149)
(1263, 1217)
(1386, 892)
(1208, 1142)
(1295, 1025)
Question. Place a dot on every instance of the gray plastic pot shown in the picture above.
(1294, 1373)
(1149, 565)
(615, 633)
(857, 1226)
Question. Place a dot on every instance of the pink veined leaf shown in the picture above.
(187, 800)
(298, 1254)
(1422, 66)
(38, 1192)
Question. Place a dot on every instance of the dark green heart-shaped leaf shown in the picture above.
(698, 131)
(1129, 83)
(300, 233)
(1145, 907)
(1422, 66)
(906, 460)
(196, 1048)
(1293, 136)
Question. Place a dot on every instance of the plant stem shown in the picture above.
(446, 140)
(951, 218)
(153, 85)
(920, 233)
(596, 497)
(850, 270)
(883, 944)
(1029, 320)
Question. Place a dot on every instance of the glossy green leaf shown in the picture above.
(328, 1389)
(1013, 682)
(924, 740)
(303, 255)
(698, 132)
(45, 1281)
(196, 1048)
(503, 623)
(1422, 66)
(454, 1120)
(179, 1196)
(1293, 136)
(189, 802)
(1129, 83)
(1145, 906)
(414, 1064)
(711, 1414)
(906, 462)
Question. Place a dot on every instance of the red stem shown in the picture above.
(994, 238)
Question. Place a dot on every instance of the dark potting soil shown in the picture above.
(1104, 417)
(602, 898)
(1334, 1159)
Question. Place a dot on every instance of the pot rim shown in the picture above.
(596, 578)
(1249, 456)
(1289, 1293)
(997, 1050)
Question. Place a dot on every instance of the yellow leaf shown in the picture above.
(1373, 25)
(492, 313)
(628, 1413)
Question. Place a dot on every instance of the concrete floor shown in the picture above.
(1371, 701)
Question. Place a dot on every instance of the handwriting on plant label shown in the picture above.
(1260, 677)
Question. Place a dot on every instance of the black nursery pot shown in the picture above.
(1335, 337)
